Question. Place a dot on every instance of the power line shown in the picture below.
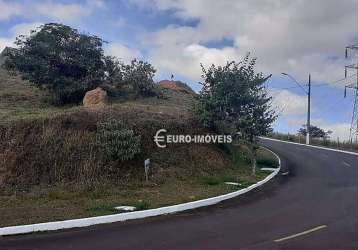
(334, 82)
(322, 84)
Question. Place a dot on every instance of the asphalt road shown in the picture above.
(314, 207)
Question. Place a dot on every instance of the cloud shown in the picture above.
(96, 3)
(19, 29)
(24, 28)
(287, 36)
(5, 42)
(62, 12)
(186, 60)
(287, 103)
(292, 108)
(340, 130)
(9, 9)
(50, 9)
(122, 52)
(120, 22)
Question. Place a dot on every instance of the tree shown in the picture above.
(138, 76)
(315, 132)
(58, 58)
(234, 99)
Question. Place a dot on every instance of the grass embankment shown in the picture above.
(335, 144)
(60, 202)
(51, 169)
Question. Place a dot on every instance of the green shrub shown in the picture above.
(117, 141)
(60, 59)
(135, 78)
(142, 205)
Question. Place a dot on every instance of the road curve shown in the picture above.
(314, 207)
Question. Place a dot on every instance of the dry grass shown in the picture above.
(19, 100)
(50, 203)
(50, 168)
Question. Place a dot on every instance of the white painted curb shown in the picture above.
(311, 146)
(84, 222)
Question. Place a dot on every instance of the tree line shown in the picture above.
(68, 63)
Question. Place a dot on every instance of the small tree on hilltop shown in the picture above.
(234, 99)
(58, 58)
(138, 75)
(315, 132)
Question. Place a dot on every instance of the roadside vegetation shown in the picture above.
(60, 160)
(167, 186)
(234, 100)
(319, 137)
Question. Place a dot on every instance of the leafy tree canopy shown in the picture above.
(136, 77)
(59, 58)
(234, 98)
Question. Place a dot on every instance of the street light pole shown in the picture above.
(308, 93)
(308, 111)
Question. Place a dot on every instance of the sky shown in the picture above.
(176, 36)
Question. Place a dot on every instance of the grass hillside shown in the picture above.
(51, 168)
(43, 144)
(19, 100)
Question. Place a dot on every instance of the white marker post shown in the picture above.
(146, 168)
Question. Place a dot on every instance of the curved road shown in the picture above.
(314, 207)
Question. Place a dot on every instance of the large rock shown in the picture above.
(96, 97)
(176, 86)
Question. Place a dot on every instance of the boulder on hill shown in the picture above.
(96, 97)
(176, 86)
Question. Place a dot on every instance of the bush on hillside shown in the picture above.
(235, 97)
(59, 58)
(136, 78)
(117, 141)
(140, 75)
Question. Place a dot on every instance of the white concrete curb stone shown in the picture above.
(268, 169)
(85, 222)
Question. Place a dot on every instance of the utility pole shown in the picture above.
(308, 93)
(308, 129)
(353, 132)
